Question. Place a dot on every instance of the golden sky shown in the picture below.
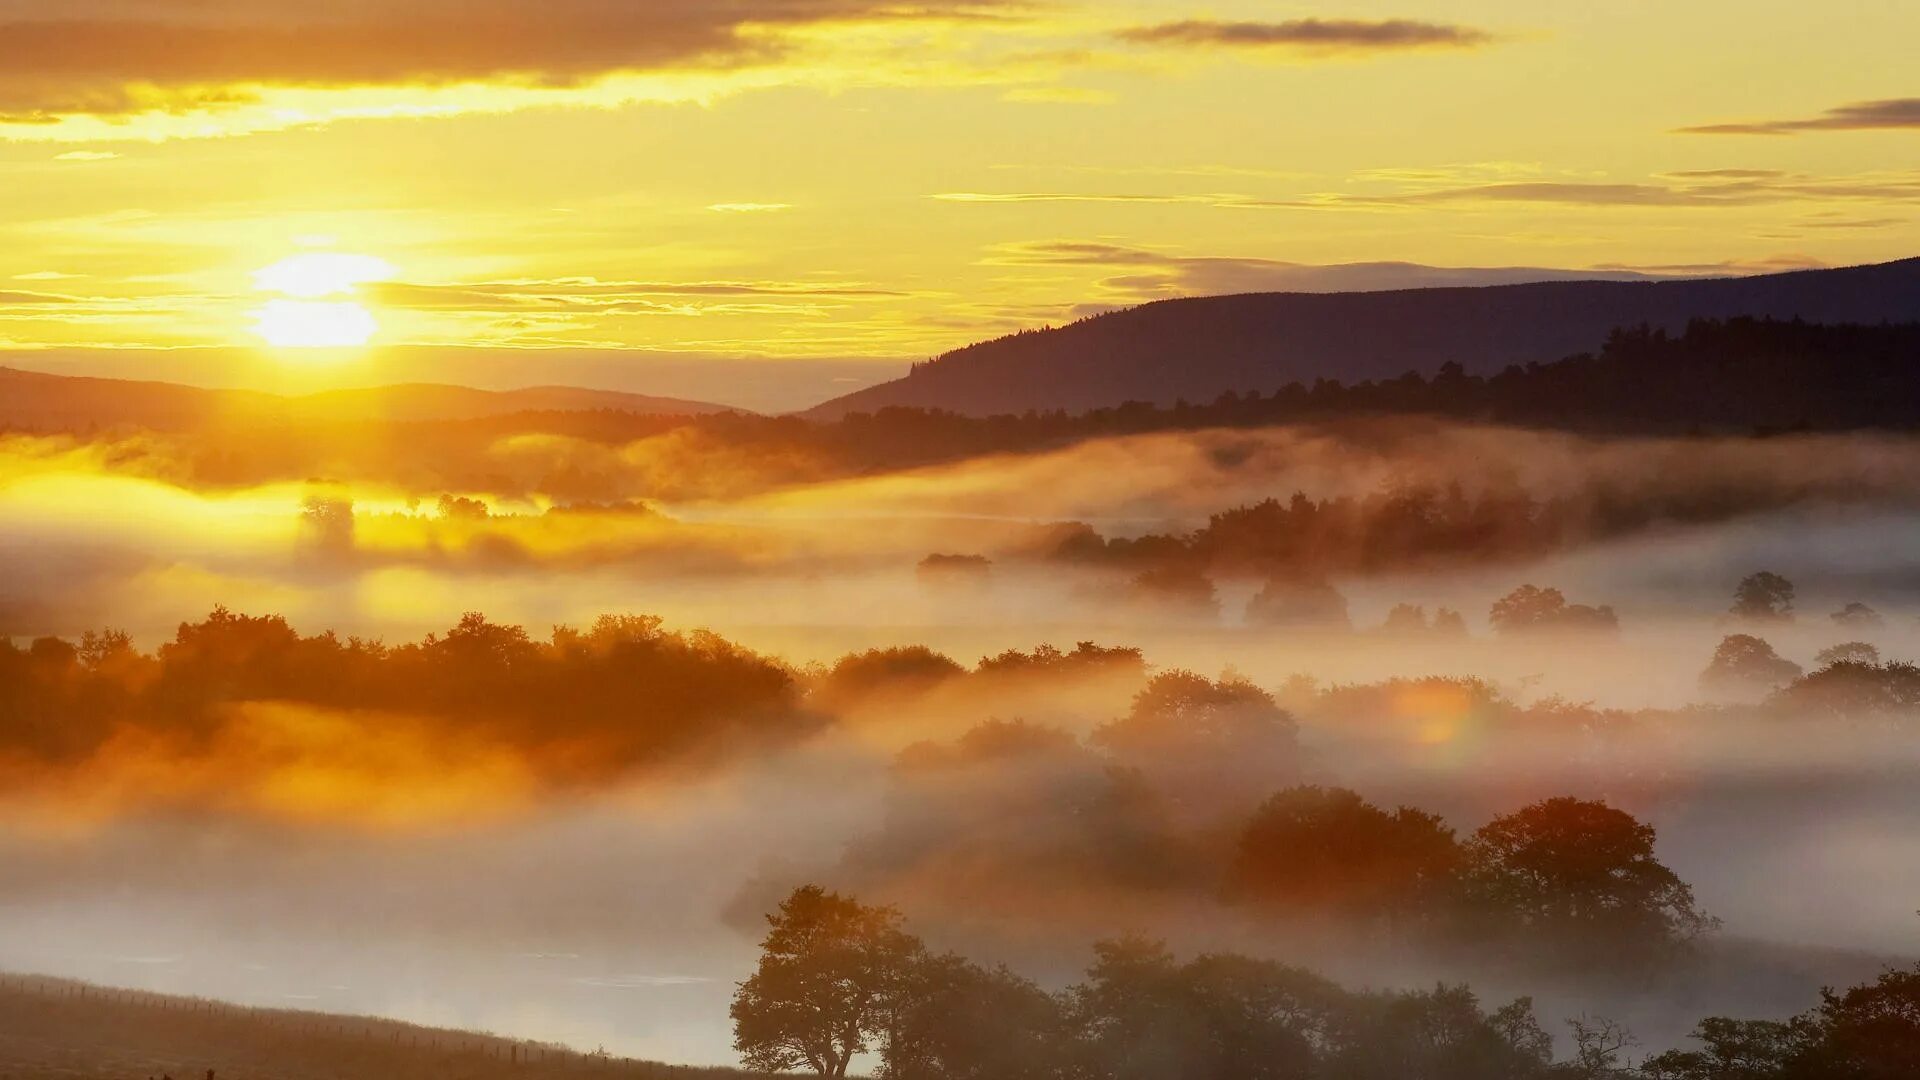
(604, 191)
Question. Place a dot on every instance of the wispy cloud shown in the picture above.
(1701, 189)
(1889, 114)
(1073, 196)
(1312, 36)
(749, 207)
(1148, 274)
(111, 58)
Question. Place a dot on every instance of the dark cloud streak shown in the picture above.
(1311, 35)
(1889, 114)
(105, 58)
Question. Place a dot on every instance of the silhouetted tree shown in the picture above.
(1180, 588)
(1850, 689)
(1184, 728)
(1530, 608)
(1763, 597)
(1847, 652)
(1743, 662)
(827, 986)
(328, 521)
(955, 571)
(1299, 602)
(1328, 852)
(1582, 874)
(954, 1020)
(1857, 616)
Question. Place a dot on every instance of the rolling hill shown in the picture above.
(1198, 348)
(60, 1028)
(43, 402)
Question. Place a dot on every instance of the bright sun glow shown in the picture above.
(311, 324)
(310, 320)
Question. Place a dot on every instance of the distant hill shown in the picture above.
(59, 1028)
(1198, 348)
(43, 402)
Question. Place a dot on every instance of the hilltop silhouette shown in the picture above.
(36, 400)
(1196, 349)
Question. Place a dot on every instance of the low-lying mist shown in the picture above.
(1059, 732)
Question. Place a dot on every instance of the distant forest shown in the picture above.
(1738, 377)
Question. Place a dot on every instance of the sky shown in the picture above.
(770, 202)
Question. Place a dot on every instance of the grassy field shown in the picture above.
(59, 1028)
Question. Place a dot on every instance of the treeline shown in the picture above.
(1413, 526)
(1175, 801)
(1736, 376)
(583, 705)
(622, 694)
(838, 979)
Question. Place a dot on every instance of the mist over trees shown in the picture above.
(837, 978)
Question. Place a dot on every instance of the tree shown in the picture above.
(1440, 1034)
(1869, 1032)
(1301, 602)
(1743, 662)
(1858, 616)
(1409, 620)
(1328, 851)
(1140, 1015)
(328, 521)
(1848, 689)
(1733, 1050)
(956, 1020)
(1531, 608)
(827, 985)
(1581, 873)
(1185, 728)
(1847, 652)
(1177, 588)
(954, 571)
(1866, 1032)
(1599, 1049)
(1763, 597)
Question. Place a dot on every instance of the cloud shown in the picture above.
(85, 155)
(1058, 95)
(1771, 264)
(1152, 275)
(1072, 196)
(1700, 188)
(1312, 36)
(110, 57)
(1731, 188)
(588, 295)
(1889, 114)
(749, 208)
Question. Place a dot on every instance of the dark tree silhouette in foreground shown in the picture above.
(829, 975)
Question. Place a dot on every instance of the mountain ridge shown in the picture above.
(1196, 348)
(41, 400)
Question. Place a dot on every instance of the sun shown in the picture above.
(307, 313)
